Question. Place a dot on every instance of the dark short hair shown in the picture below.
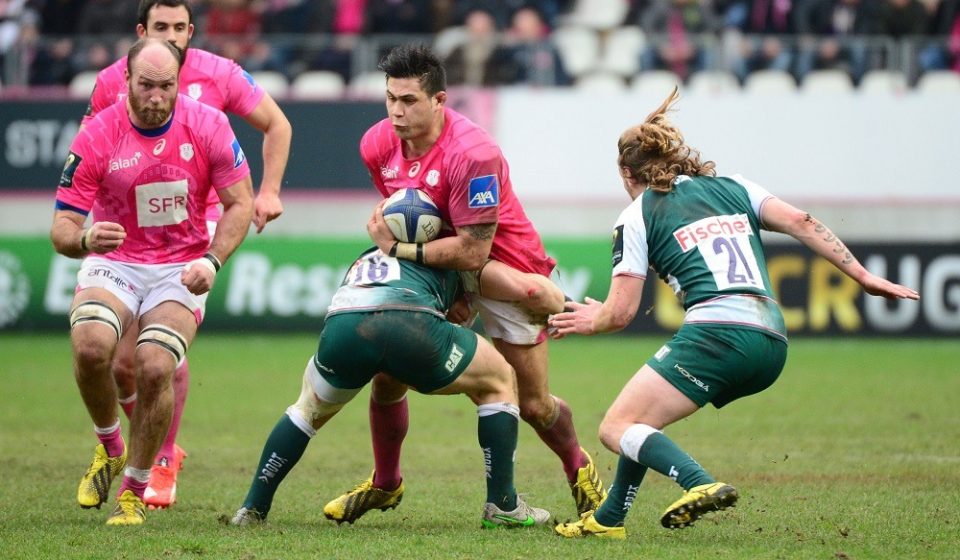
(143, 12)
(416, 61)
(134, 52)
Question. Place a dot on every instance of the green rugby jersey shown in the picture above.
(377, 282)
(703, 239)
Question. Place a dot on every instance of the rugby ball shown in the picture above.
(412, 216)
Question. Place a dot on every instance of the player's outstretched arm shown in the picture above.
(594, 317)
(780, 216)
(268, 118)
(70, 239)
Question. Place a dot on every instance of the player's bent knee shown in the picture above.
(166, 338)
(95, 312)
(318, 401)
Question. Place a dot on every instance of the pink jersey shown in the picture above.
(210, 79)
(155, 183)
(467, 176)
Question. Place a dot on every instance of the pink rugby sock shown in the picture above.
(388, 427)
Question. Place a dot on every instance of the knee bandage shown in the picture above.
(311, 408)
(96, 311)
(166, 338)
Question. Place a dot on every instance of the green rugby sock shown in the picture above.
(282, 450)
(497, 434)
(661, 454)
(621, 494)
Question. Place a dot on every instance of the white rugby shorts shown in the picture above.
(141, 287)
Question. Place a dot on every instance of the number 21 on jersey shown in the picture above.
(724, 244)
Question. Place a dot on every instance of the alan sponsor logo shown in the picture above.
(389, 172)
(711, 228)
(124, 163)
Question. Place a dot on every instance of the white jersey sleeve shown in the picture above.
(758, 195)
(630, 254)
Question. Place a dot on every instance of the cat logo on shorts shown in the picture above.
(456, 354)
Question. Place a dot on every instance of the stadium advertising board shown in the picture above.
(275, 284)
(35, 137)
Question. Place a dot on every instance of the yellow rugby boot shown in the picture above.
(364, 497)
(587, 490)
(587, 526)
(698, 501)
(95, 485)
(129, 510)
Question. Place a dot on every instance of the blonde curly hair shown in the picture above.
(654, 152)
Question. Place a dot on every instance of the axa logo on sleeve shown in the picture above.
(484, 192)
(238, 155)
(706, 229)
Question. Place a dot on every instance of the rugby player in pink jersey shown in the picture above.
(423, 144)
(224, 85)
(145, 167)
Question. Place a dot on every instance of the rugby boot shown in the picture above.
(698, 501)
(587, 526)
(128, 511)
(587, 489)
(364, 497)
(247, 516)
(524, 515)
(95, 485)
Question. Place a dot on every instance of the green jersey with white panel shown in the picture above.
(703, 239)
(377, 282)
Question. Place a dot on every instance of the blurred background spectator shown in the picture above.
(832, 35)
(493, 43)
(679, 22)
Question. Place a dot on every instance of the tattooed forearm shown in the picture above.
(481, 232)
(829, 237)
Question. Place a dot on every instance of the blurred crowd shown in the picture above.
(497, 42)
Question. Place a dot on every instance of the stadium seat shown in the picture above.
(368, 85)
(601, 82)
(826, 81)
(621, 50)
(82, 84)
(318, 84)
(600, 15)
(765, 82)
(274, 83)
(710, 82)
(655, 82)
(579, 49)
(939, 81)
(883, 82)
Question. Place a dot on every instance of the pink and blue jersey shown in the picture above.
(467, 176)
(153, 182)
(210, 79)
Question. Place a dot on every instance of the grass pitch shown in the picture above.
(854, 453)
